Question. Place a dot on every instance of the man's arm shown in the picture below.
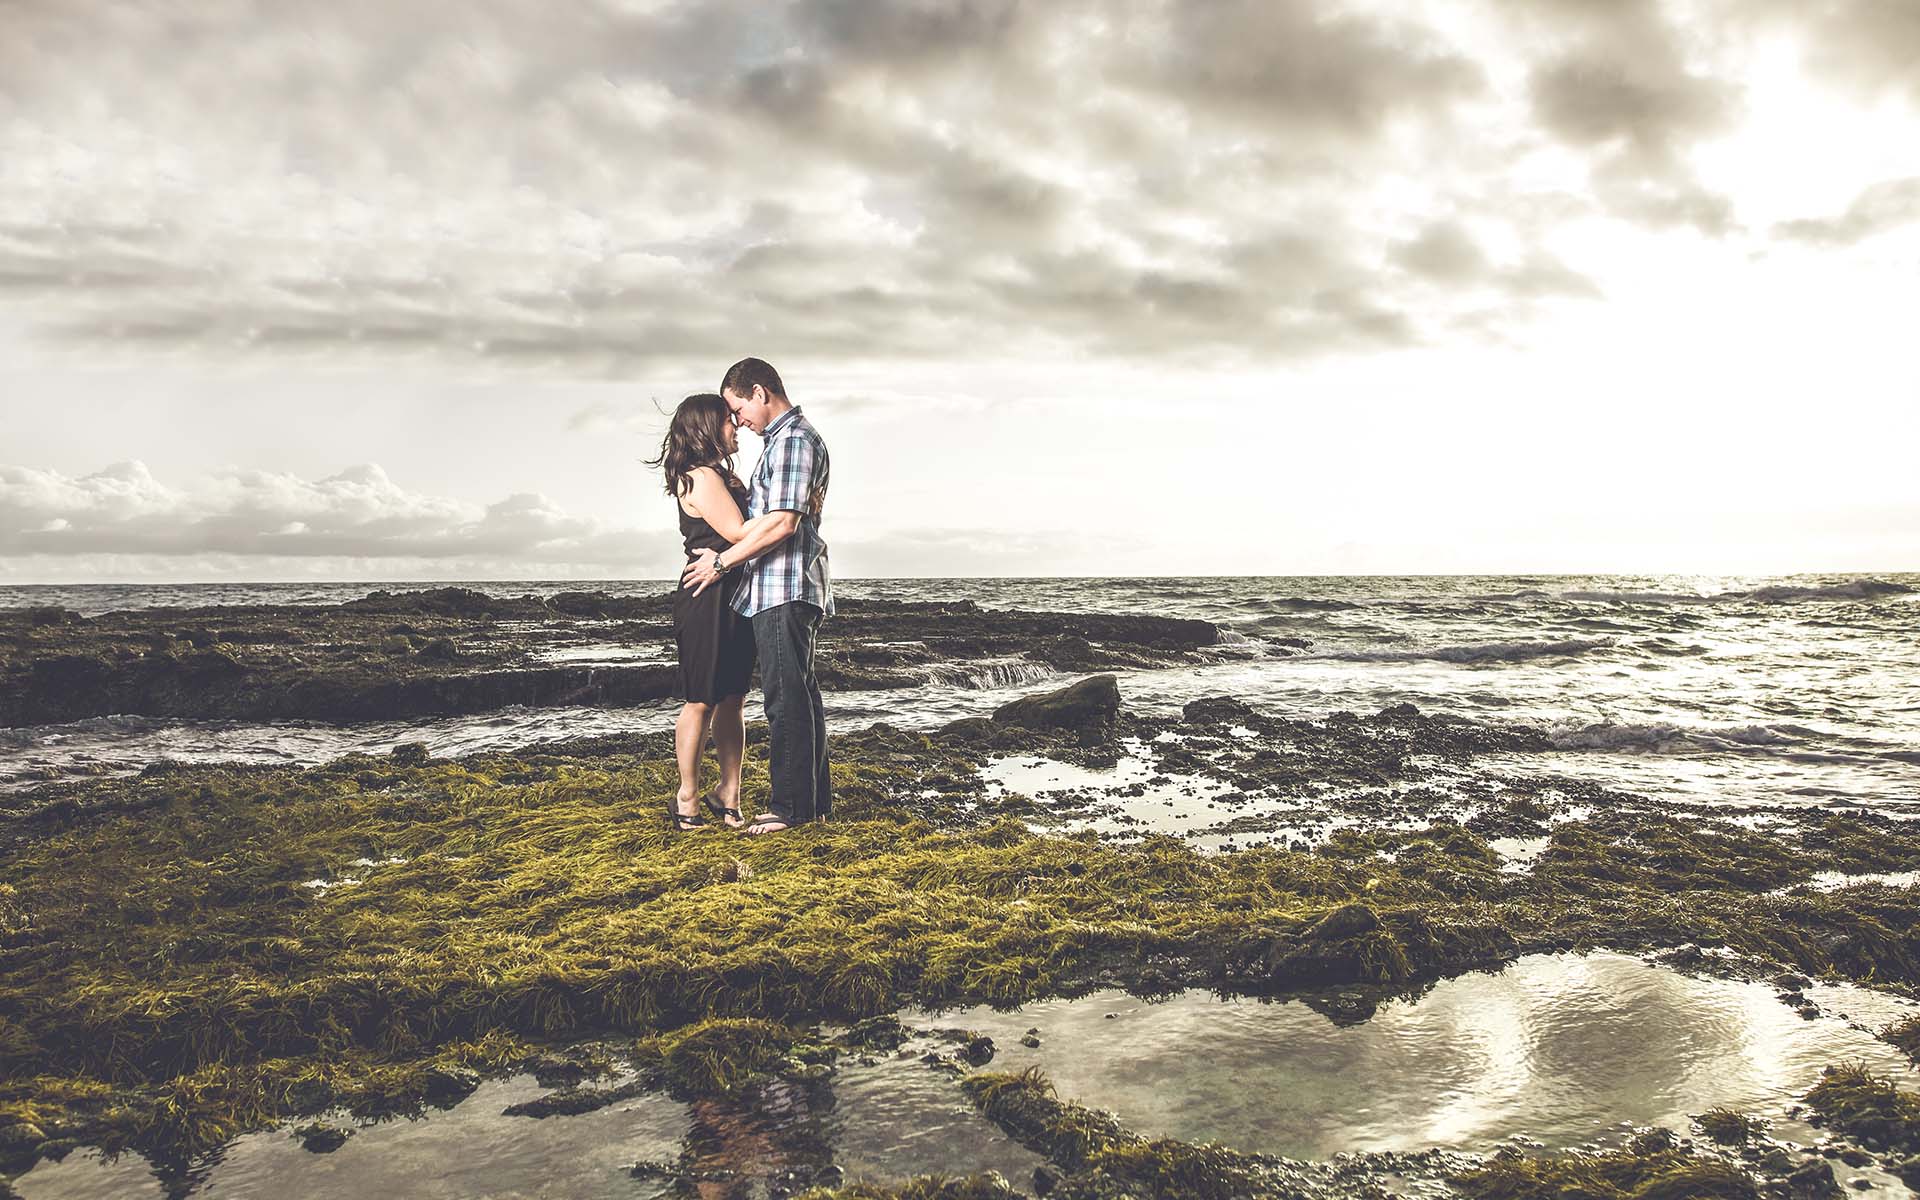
(791, 466)
(763, 533)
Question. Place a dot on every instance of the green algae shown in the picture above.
(1101, 1157)
(1868, 1108)
(168, 976)
(1727, 1127)
(1622, 1175)
(1904, 1036)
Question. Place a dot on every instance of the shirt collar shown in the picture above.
(781, 422)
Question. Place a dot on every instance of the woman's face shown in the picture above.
(729, 437)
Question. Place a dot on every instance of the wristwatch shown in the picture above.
(720, 568)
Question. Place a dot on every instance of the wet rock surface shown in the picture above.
(449, 651)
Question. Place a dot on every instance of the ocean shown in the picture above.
(1798, 690)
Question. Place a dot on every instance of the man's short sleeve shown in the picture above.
(791, 463)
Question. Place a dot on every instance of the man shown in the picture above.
(785, 590)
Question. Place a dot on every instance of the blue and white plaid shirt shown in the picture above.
(792, 471)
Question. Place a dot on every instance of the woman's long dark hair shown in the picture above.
(696, 438)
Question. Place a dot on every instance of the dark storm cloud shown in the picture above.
(1885, 206)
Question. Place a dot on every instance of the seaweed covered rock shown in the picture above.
(1089, 704)
(1621, 1175)
(1867, 1107)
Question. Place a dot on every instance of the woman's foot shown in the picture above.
(679, 819)
(727, 812)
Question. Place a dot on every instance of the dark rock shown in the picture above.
(571, 1102)
(309, 1095)
(410, 754)
(1094, 701)
(1216, 711)
(322, 1139)
(439, 650)
(830, 1176)
(449, 1084)
(978, 1051)
(1349, 920)
(1030, 1042)
(1652, 1141)
(877, 1033)
(1047, 1180)
(1909, 1172)
(1813, 1182)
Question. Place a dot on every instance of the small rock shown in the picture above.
(978, 1052)
(1813, 1182)
(1030, 1042)
(1853, 1156)
(1046, 1179)
(409, 754)
(446, 1084)
(318, 1138)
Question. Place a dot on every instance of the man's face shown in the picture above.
(750, 410)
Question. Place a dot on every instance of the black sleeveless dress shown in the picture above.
(716, 643)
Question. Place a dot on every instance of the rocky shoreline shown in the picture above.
(453, 651)
(202, 951)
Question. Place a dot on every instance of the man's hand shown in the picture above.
(700, 571)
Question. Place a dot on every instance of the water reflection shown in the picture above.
(1556, 1047)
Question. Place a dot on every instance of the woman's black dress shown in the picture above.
(716, 643)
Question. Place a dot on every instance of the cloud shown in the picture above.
(359, 513)
(598, 189)
(1885, 206)
(1867, 46)
(1618, 85)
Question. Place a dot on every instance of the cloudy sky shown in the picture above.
(366, 290)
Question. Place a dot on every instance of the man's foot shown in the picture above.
(768, 823)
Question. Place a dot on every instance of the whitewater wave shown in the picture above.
(986, 677)
(1779, 593)
(1307, 604)
(1485, 652)
(1858, 589)
(1661, 738)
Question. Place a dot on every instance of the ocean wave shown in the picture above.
(1606, 597)
(1660, 738)
(1485, 652)
(1307, 604)
(1858, 589)
(986, 677)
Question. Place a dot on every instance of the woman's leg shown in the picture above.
(689, 738)
(729, 745)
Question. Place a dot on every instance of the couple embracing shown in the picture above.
(755, 587)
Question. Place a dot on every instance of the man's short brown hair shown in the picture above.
(743, 375)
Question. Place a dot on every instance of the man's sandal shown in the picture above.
(768, 823)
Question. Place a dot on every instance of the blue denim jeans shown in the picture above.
(796, 722)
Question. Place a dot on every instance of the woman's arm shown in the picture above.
(713, 503)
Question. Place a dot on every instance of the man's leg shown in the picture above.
(822, 778)
(784, 639)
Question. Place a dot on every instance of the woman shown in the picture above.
(715, 643)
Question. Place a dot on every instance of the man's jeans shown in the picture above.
(796, 723)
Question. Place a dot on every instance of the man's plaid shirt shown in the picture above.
(792, 470)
